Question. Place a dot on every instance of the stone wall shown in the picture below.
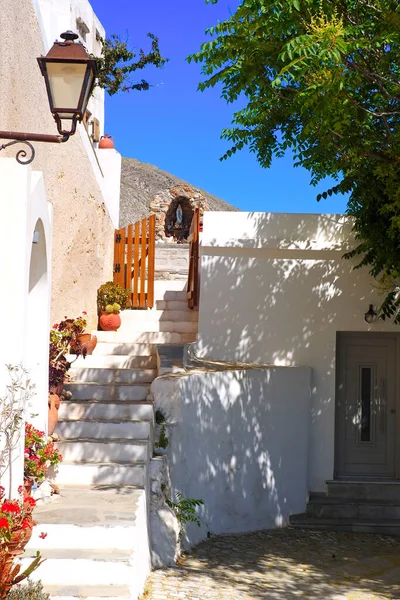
(164, 205)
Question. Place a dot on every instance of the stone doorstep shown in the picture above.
(89, 592)
(381, 526)
(363, 490)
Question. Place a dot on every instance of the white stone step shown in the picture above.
(135, 430)
(119, 338)
(144, 316)
(95, 451)
(127, 349)
(102, 375)
(89, 592)
(179, 305)
(101, 474)
(97, 543)
(122, 361)
(132, 328)
(102, 569)
(87, 409)
(94, 391)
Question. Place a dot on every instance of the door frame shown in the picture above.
(342, 335)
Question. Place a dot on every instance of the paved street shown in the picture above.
(284, 565)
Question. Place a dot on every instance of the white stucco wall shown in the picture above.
(82, 227)
(238, 440)
(275, 290)
(25, 276)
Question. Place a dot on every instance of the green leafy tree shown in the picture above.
(117, 62)
(321, 78)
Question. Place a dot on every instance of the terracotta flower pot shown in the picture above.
(54, 405)
(110, 321)
(88, 342)
(20, 538)
(28, 485)
(106, 141)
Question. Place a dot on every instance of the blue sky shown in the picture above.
(177, 128)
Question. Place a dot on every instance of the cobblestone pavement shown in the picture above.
(284, 564)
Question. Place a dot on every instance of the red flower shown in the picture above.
(84, 312)
(11, 507)
(25, 524)
(31, 501)
(43, 535)
(4, 524)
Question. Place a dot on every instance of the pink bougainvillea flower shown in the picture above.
(43, 535)
(84, 312)
(10, 507)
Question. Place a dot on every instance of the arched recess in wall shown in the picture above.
(37, 338)
(181, 231)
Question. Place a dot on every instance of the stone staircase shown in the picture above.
(98, 543)
(359, 506)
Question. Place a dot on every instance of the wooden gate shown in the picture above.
(134, 260)
(193, 279)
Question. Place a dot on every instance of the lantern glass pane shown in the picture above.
(88, 89)
(66, 80)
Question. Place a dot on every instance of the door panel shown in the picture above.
(365, 406)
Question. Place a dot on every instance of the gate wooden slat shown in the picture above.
(135, 299)
(193, 278)
(129, 261)
(143, 253)
(151, 261)
(118, 254)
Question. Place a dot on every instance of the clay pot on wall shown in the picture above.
(88, 342)
(110, 321)
(106, 141)
(54, 405)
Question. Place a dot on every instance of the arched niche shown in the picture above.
(180, 232)
(37, 338)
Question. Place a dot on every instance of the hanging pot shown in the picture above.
(106, 141)
(54, 405)
(110, 321)
(88, 342)
(19, 539)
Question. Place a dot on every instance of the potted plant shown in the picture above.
(39, 456)
(111, 299)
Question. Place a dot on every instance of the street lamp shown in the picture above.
(70, 75)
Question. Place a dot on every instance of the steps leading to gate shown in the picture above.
(362, 506)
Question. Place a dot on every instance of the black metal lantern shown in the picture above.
(70, 75)
(371, 315)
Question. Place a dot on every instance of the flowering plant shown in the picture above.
(39, 453)
(16, 522)
(64, 338)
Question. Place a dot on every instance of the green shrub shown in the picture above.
(32, 590)
(111, 295)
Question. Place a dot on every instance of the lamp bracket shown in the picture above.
(18, 137)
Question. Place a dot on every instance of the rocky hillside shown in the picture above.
(140, 182)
